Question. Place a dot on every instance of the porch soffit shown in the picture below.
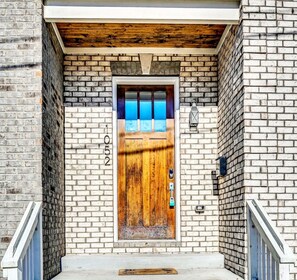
(123, 35)
(144, 29)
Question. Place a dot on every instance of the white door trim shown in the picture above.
(146, 81)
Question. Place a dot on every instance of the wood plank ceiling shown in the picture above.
(102, 35)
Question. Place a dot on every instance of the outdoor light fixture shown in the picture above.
(194, 118)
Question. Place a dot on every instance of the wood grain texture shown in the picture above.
(86, 35)
(134, 167)
(148, 271)
(144, 159)
(158, 183)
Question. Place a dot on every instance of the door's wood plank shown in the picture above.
(170, 163)
(153, 197)
(134, 165)
(160, 150)
(148, 271)
(122, 198)
(146, 182)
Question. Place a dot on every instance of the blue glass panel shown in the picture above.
(160, 125)
(131, 109)
(160, 114)
(146, 125)
(145, 115)
(131, 125)
(145, 112)
(145, 109)
(160, 110)
(131, 115)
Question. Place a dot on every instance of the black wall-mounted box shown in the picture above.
(221, 166)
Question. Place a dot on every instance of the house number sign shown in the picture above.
(107, 151)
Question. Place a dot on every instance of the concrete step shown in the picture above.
(105, 267)
(183, 274)
(116, 262)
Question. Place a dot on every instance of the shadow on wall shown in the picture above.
(24, 43)
(26, 65)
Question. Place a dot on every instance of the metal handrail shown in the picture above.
(269, 255)
(27, 238)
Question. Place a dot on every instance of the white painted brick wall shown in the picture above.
(89, 185)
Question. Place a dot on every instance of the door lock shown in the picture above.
(171, 189)
(171, 202)
(171, 173)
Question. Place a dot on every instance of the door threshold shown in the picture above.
(147, 243)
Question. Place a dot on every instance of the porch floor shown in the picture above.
(184, 274)
(201, 266)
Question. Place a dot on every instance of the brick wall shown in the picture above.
(230, 144)
(257, 74)
(270, 50)
(89, 184)
(31, 156)
(260, 55)
(20, 112)
(88, 78)
(52, 153)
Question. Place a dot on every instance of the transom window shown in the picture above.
(145, 111)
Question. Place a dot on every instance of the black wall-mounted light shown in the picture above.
(194, 116)
(221, 166)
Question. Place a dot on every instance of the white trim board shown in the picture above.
(210, 51)
(220, 44)
(57, 32)
(146, 81)
(142, 15)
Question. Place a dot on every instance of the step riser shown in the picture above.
(115, 262)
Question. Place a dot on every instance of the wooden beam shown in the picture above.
(141, 15)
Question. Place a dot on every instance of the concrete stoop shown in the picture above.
(189, 266)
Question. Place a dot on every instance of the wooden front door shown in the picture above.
(146, 189)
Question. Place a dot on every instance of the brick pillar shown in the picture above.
(20, 112)
(257, 124)
(270, 141)
(31, 131)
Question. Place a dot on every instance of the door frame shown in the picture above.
(141, 80)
